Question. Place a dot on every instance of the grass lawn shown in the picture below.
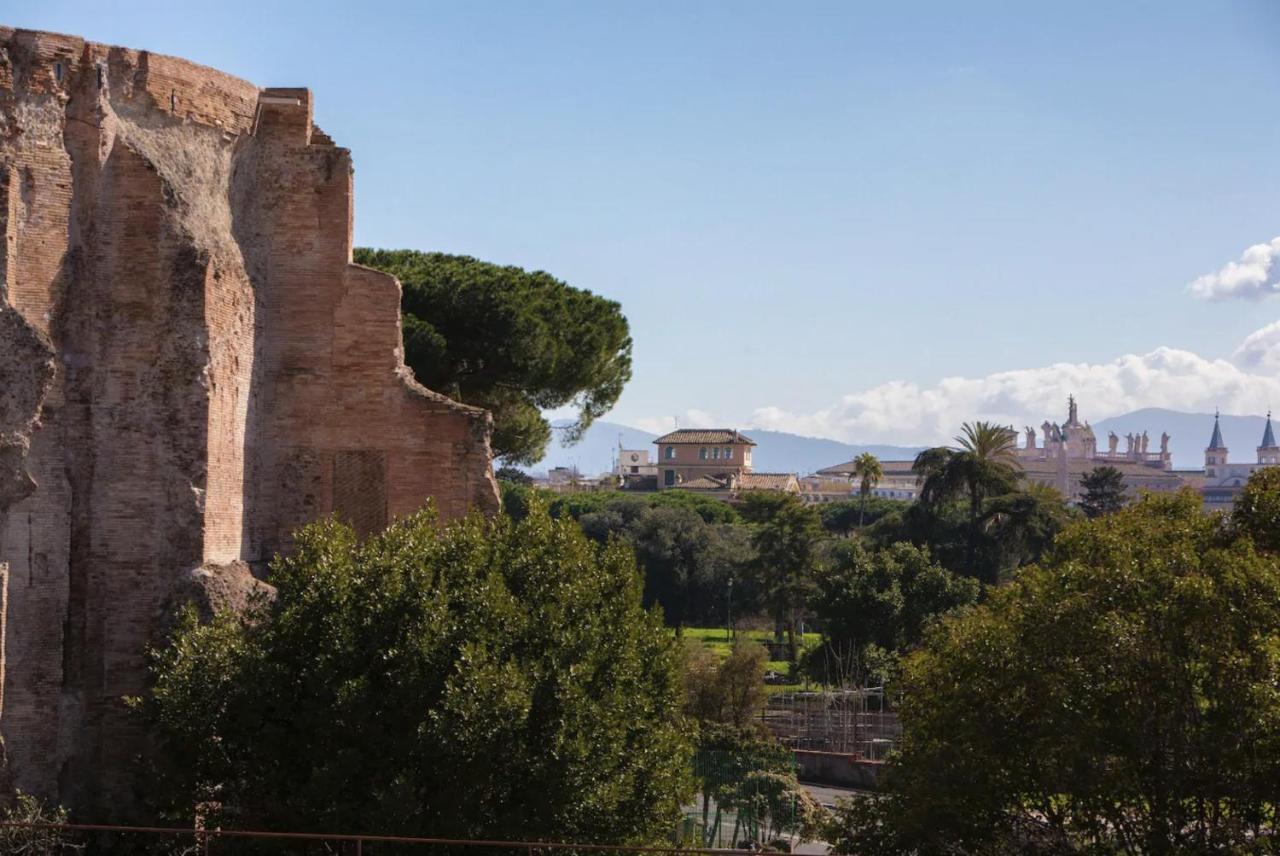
(718, 640)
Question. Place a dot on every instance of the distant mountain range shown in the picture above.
(781, 452)
(776, 451)
(1189, 433)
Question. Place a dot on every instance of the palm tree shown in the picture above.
(982, 466)
(867, 469)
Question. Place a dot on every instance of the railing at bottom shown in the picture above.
(203, 837)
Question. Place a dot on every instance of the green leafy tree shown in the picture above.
(1014, 529)
(868, 472)
(490, 678)
(873, 601)
(1120, 698)
(512, 341)
(514, 475)
(786, 541)
(845, 515)
(1104, 491)
(980, 468)
(727, 691)
(675, 547)
(726, 758)
(773, 804)
(1018, 528)
(687, 562)
(1257, 509)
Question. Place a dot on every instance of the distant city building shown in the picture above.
(819, 489)
(561, 476)
(1059, 457)
(1222, 480)
(1070, 450)
(632, 470)
(897, 480)
(716, 461)
(634, 462)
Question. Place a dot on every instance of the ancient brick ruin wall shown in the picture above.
(190, 369)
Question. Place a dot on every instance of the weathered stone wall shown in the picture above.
(190, 369)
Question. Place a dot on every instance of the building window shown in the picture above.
(57, 72)
(728, 453)
(702, 453)
(669, 478)
(715, 453)
(671, 453)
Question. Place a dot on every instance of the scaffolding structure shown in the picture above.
(849, 722)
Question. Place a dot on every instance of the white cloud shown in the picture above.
(1254, 277)
(909, 414)
(1260, 351)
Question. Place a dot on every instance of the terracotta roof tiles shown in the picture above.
(710, 436)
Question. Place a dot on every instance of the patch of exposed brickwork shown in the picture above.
(190, 369)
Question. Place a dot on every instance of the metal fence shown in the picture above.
(744, 797)
(39, 839)
(850, 722)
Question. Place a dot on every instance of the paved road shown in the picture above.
(827, 794)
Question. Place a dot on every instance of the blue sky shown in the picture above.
(867, 221)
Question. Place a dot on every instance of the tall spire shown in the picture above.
(1268, 436)
(1216, 442)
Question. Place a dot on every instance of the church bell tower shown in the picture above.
(1216, 455)
(1269, 452)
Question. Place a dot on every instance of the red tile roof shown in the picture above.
(768, 481)
(709, 436)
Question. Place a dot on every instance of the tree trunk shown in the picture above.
(791, 638)
(975, 506)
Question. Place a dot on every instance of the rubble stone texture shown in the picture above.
(190, 369)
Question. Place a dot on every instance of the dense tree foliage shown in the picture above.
(872, 603)
(975, 514)
(980, 468)
(1257, 510)
(513, 475)
(751, 776)
(739, 767)
(1018, 528)
(729, 691)
(1014, 529)
(786, 538)
(686, 546)
(1104, 491)
(846, 515)
(1123, 696)
(517, 497)
(512, 341)
(487, 679)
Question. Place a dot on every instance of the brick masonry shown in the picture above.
(190, 369)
